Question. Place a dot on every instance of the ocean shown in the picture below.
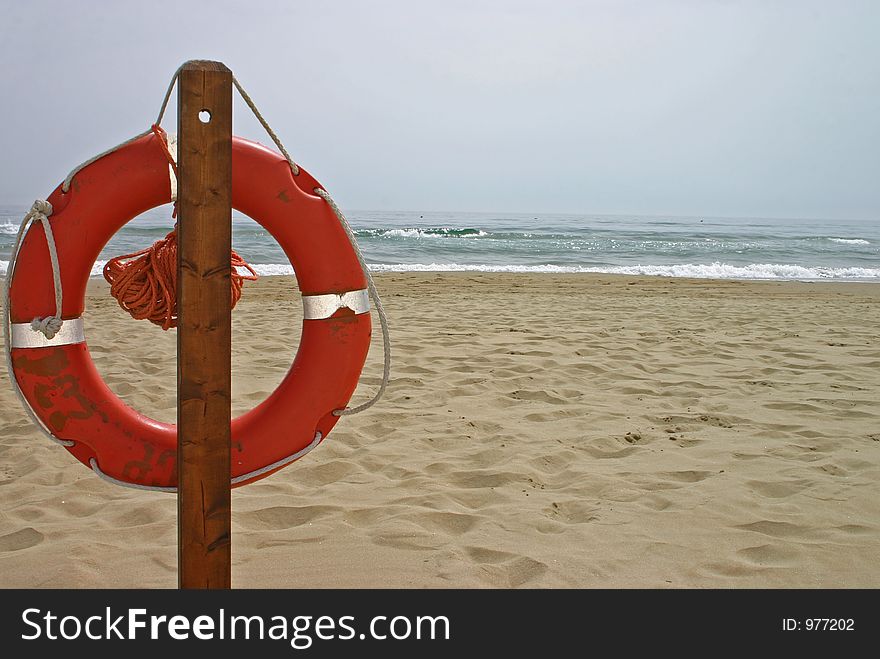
(703, 247)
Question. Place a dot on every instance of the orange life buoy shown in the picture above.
(58, 378)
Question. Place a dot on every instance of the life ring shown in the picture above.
(59, 380)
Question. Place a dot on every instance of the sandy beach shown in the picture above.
(538, 431)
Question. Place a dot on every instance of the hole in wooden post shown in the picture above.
(205, 116)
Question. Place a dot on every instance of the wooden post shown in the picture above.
(204, 334)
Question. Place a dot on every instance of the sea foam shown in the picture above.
(850, 241)
(689, 270)
(422, 232)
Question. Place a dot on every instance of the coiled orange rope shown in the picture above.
(144, 283)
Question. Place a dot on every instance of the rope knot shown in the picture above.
(49, 326)
(41, 207)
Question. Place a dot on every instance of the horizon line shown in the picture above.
(538, 214)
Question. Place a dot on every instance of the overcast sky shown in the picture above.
(655, 107)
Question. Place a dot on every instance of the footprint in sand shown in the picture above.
(769, 555)
(483, 478)
(715, 421)
(324, 474)
(7, 473)
(21, 539)
(682, 441)
(632, 437)
(608, 447)
(778, 529)
(278, 517)
(408, 539)
(572, 512)
(553, 463)
(503, 569)
(556, 415)
(488, 556)
(778, 489)
(538, 396)
(446, 522)
(687, 476)
(654, 502)
(832, 470)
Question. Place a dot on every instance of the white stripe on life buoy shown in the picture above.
(24, 336)
(316, 307)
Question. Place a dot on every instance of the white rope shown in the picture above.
(135, 486)
(41, 210)
(380, 310)
(48, 326)
(279, 463)
(238, 479)
(247, 99)
(65, 187)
